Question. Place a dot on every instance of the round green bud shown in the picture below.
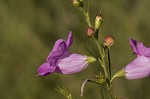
(77, 3)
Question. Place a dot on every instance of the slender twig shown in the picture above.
(102, 93)
(110, 94)
(102, 53)
(109, 63)
(101, 9)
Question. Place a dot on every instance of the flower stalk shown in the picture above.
(102, 55)
(103, 64)
(109, 63)
(98, 21)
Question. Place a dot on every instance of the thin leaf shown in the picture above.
(101, 9)
(82, 86)
(64, 92)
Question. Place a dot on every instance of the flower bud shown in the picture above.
(109, 41)
(78, 3)
(101, 79)
(98, 21)
(90, 32)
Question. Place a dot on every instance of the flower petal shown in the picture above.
(59, 48)
(70, 39)
(59, 51)
(72, 64)
(55, 55)
(137, 62)
(139, 48)
(137, 75)
(45, 69)
(143, 50)
(138, 68)
(133, 44)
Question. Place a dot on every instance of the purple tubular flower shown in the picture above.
(139, 67)
(60, 60)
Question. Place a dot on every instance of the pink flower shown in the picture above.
(139, 67)
(62, 61)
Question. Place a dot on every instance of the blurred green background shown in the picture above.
(29, 28)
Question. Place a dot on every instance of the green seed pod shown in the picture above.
(98, 21)
(77, 3)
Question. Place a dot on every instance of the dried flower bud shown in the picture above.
(109, 41)
(98, 21)
(77, 3)
(101, 79)
(90, 32)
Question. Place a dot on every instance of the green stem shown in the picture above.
(102, 53)
(108, 87)
(96, 34)
(103, 64)
(102, 93)
(87, 17)
(109, 64)
(110, 93)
